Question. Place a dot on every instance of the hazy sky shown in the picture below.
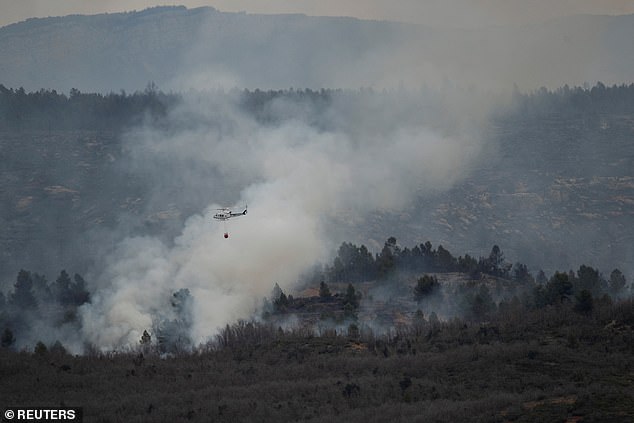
(439, 12)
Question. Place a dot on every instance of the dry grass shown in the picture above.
(525, 373)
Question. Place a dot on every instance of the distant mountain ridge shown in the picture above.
(127, 50)
(92, 52)
(178, 48)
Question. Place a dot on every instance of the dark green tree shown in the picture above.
(588, 279)
(79, 292)
(521, 273)
(58, 349)
(386, 260)
(584, 304)
(469, 265)
(41, 289)
(443, 260)
(495, 264)
(40, 349)
(352, 264)
(365, 263)
(540, 298)
(23, 296)
(558, 289)
(276, 292)
(481, 304)
(324, 291)
(281, 303)
(425, 286)
(62, 289)
(424, 255)
(351, 297)
(617, 282)
(338, 271)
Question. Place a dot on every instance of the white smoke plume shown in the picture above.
(296, 178)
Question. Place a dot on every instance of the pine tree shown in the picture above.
(617, 282)
(425, 286)
(62, 289)
(324, 291)
(584, 303)
(351, 297)
(23, 296)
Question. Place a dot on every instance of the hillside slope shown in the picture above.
(555, 192)
(179, 48)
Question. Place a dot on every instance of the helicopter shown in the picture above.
(225, 214)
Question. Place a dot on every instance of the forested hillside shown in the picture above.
(555, 189)
(541, 351)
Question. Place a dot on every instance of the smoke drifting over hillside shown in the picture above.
(303, 168)
(297, 179)
(301, 171)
